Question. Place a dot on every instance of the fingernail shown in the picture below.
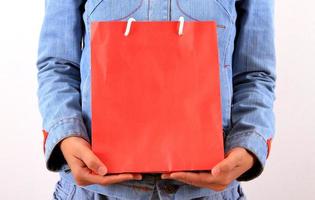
(102, 171)
(173, 175)
(137, 176)
(165, 176)
(215, 171)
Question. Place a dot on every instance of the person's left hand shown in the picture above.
(236, 162)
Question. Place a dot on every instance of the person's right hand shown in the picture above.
(86, 167)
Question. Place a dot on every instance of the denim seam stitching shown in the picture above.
(94, 7)
(64, 121)
(226, 10)
(247, 133)
(71, 193)
(219, 3)
(120, 18)
(133, 11)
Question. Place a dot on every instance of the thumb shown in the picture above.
(93, 162)
(228, 164)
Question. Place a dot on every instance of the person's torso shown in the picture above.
(221, 11)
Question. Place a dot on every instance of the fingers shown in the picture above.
(111, 179)
(237, 161)
(93, 162)
(84, 176)
(192, 178)
(86, 167)
(233, 160)
(108, 179)
(79, 148)
(90, 164)
(201, 179)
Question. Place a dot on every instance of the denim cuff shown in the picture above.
(62, 129)
(255, 144)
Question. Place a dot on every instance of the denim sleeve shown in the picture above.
(253, 83)
(58, 75)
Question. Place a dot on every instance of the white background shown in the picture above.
(289, 173)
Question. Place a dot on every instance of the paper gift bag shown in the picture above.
(155, 96)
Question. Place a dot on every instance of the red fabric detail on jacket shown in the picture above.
(269, 146)
(45, 134)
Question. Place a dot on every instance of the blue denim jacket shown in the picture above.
(247, 70)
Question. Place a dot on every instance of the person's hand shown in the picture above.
(237, 161)
(86, 167)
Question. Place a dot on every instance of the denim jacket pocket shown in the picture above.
(111, 10)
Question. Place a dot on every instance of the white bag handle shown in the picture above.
(180, 29)
(130, 20)
(181, 26)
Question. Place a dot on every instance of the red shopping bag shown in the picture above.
(156, 96)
